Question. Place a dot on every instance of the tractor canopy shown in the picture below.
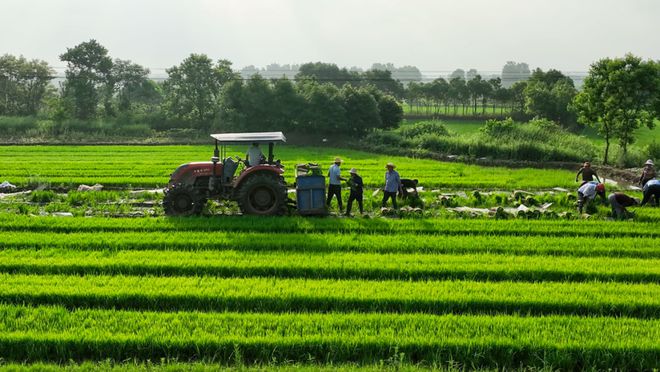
(249, 138)
(225, 139)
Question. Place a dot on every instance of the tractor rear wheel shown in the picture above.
(262, 194)
(183, 200)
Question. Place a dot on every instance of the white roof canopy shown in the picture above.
(254, 137)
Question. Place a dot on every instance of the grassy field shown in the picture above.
(150, 166)
(643, 136)
(430, 290)
(423, 110)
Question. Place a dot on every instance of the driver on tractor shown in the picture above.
(254, 156)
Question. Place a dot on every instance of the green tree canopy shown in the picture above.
(88, 71)
(618, 96)
(23, 85)
(192, 90)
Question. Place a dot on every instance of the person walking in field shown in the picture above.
(392, 185)
(619, 201)
(254, 156)
(651, 192)
(334, 184)
(648, 173)
(588, 192)
(588, 173)
(357, 188)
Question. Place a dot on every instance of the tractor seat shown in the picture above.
(229, 167)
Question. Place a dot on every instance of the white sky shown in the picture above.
(433, 35)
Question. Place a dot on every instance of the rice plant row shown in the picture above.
(278, 225)
(330, 265)
(563, 342)
(327, 295)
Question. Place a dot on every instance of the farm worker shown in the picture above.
(588, 192)
(648, 172)
(254, 155)
(409, 184)
(651, 190)
(587, 172)
(334, 183)
(357, 186)
(392, 185)
(619, 201)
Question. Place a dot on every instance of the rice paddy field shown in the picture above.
(436, 291)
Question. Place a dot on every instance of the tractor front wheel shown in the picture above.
(183, 200)
(263, 195)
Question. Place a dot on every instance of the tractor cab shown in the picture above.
(258, 185)
(231, 165)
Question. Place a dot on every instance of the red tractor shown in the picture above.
(259, 187)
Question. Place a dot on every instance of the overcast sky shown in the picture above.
(433, 35)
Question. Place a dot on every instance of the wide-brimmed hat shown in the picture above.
(353, 171)
(338, 160)
(390, 165)
(649, 162)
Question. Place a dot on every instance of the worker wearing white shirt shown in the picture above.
(254, 155)
(588, 192)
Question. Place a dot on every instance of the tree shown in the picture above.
(618, 96)
(471, 74)
(513, 72)
(23, 85)
(328, 72)
(361, 110)
(129, 83)
(458, 73)
(458, 92)
(193, 88)
(88, 70)
(517, 94)
(382, 80)
(323, 112)
(389, 109)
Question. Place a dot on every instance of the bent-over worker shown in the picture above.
(588, 192)
(651, 191)
(619, 201)
(406, 184)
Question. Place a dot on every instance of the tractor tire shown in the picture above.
(183, 200)
(262, 195)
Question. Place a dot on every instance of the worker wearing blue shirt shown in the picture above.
(392, 185)
(334, 183)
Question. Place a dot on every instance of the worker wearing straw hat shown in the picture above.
(648, 173)
(334, 183)
(357, 187)
(392, 185)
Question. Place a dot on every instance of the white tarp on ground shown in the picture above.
(6, 186)
(97, 187)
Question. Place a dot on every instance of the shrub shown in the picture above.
(497, 128)
(424, 127)
(653, 150)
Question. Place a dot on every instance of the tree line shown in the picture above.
(619, 95)
(202, 94)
